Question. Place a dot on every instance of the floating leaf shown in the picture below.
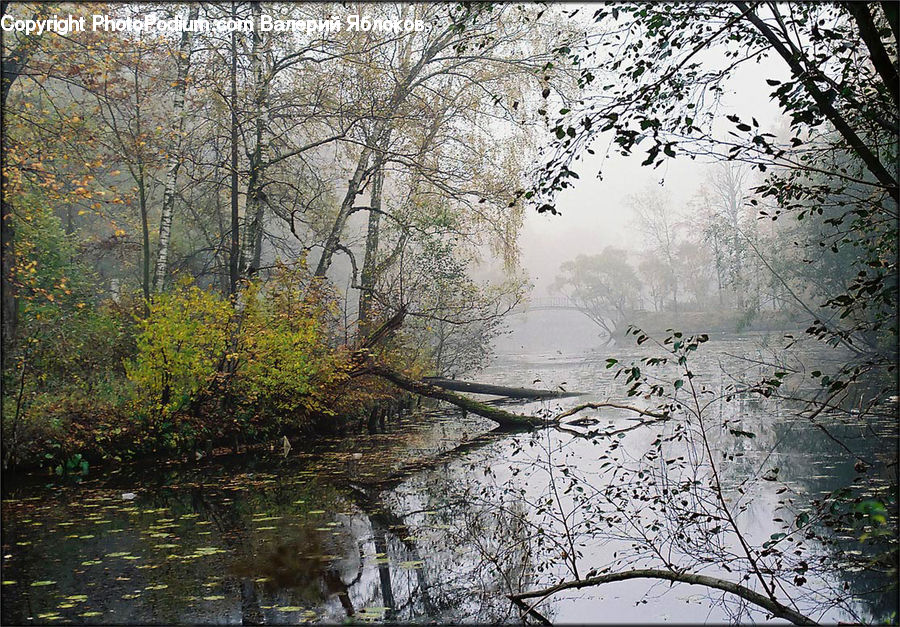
(411, 564)
(42, 583)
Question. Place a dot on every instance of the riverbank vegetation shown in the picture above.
(163, 193)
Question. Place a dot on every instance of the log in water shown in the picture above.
(497, 390)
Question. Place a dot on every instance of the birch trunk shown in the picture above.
(174, 161)
(251, 249)
(234, 251)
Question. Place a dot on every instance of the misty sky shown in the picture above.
(595, 213)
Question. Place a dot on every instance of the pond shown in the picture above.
(436, 520)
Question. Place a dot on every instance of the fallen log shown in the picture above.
(777, 609)
(496, 390)
(505, 419)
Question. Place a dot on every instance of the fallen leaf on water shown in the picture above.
(411, 564)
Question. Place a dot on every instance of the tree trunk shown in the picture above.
(497, 390)
(337, 228)
(505, 419)
(251, 252)
(174, 161)
(379, 536)
(868, 32)
(793, 59)
(142, 194)
(892, 13)
(234, 255)
(368, 276)
(145, 237)
(401, 91)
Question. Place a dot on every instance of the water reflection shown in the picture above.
(421, 524)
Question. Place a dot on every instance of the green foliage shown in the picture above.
(70, 341)
(180, 348)
(206, 368)
(286, 367)
(75, 466)
(71, 347)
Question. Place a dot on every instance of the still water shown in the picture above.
(435, 520)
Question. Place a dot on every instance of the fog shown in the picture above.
(595, 213)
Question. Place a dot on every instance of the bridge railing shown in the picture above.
(546, 302)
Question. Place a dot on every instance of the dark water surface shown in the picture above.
(432, 521)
